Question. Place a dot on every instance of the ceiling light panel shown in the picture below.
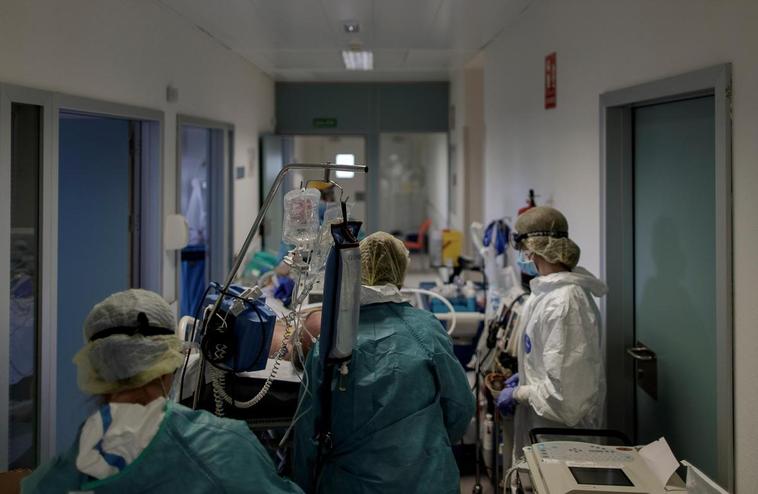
(358, 60)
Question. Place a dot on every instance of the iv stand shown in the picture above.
(328, 168)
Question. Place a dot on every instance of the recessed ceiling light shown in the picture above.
(345, 159)
(358, 60)
(352, 27)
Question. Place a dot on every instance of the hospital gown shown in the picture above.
(407, 400)
(193, 451)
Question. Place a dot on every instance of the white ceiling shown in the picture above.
(302, 40)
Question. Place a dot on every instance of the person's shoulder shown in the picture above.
(421, 315)
(427, 328)
(561, 293)
(565, 301)
(58, 475)
(202, 421)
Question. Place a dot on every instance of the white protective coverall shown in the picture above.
(560, 359)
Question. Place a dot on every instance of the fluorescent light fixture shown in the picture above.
(345, 159)
(358, 60)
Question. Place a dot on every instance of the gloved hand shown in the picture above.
(512, 381)
(506, 403)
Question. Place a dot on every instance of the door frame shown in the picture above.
(223, 243)
(617, 244)
(151, 180)
(52, 104)
(47, 258)
(98, 108)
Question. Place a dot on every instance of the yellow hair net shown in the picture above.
(127, 359)
(545, 232)
(142, 358)
(384, 260)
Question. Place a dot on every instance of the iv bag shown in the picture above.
(332, 216)
(301, 216)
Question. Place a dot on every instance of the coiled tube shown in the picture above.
(219, 388)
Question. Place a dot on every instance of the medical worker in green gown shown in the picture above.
(406, 399)
(137, 440)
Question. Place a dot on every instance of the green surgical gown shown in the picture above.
(192, 452)
(406, 400)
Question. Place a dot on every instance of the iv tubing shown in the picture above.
(442, 299)
(327, 167)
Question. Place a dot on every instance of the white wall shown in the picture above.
(127, 51)
(457, 146)
(604, 45)
(467, 147)
(433, 152)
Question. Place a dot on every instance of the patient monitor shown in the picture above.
(567, 467)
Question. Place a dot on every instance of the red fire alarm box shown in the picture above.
(551, 74)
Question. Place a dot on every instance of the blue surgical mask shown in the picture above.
(527, 266)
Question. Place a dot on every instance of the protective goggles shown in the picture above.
(517, 238)
(144, 328)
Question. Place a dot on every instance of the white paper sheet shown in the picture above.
(660, 459)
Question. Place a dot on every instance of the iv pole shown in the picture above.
(328, 168)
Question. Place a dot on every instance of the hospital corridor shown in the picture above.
(378, 246)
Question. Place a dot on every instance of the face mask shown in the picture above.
(527, 266)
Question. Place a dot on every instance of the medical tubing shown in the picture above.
(508, 475)
(218, 378)
(445, 301)
(327, 167)
(305, 382)
(266, 386)
(219, 388)
(267, 204)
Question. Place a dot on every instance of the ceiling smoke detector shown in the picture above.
(352, 27)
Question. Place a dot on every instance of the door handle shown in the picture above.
(642, 353)
(646, 367)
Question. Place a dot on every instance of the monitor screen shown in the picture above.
(600, 476)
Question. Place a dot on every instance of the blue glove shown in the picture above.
(512, 381)
(506, 403)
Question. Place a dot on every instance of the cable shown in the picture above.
(218, 383)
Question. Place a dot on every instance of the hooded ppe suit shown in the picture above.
(561, 366)
(406, 400)
(193, 451)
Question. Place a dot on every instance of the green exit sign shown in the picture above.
(325, 123)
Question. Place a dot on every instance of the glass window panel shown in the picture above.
(26, 162)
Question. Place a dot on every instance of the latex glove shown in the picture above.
(506, 403)
(512, 381)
